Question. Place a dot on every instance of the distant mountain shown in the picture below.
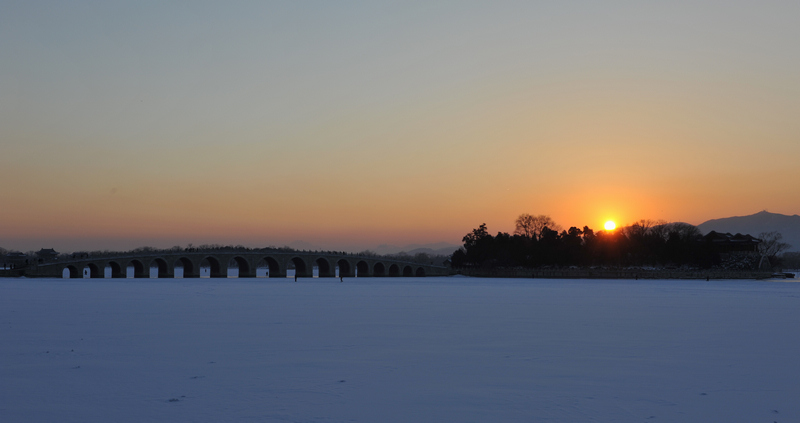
(788, 226)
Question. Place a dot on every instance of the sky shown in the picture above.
(348, 125)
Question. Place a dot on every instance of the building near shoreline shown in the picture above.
(727, 243)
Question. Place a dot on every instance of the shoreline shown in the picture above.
(629, 274)
(615, 274)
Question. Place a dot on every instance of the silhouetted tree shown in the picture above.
(459, 258)
(548, 246)
(572, 246)
(478, 246)
(531, 226)
(645, 242)
(681, 245)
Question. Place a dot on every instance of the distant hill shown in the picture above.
(788, 226)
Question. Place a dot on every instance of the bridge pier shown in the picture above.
(250, 274)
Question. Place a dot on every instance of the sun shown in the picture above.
(610, 225)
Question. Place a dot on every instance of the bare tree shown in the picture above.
(771, 245)
(643, 228)
(531, 226)
(524, 226)
(684, 231)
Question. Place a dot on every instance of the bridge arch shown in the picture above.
(379, 270)
(300, 268)
(362, 269)
(71, 272)
(116, 269)
(324, 267)
(188, 268)
(161, 265)
(394, 270)
(95, 271)
(408, 271)
(242, 264)
(420, 273)
(138, 269)
(345, 269)
(215, 270)
(272, 265)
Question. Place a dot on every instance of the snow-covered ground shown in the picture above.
(398, 350)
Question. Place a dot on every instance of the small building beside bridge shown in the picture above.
(46, 255)
(15, 260)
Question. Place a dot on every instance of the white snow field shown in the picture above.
(398, 350)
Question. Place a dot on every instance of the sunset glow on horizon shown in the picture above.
(347, 126)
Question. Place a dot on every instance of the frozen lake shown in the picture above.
(398, 350)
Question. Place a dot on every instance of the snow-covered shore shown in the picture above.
(398, 350)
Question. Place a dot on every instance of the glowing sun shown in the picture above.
(610, 225)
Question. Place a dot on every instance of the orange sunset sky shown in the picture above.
(352, 124)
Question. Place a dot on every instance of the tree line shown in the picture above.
(35, 256)
(537, 241)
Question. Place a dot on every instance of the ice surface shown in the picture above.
(398, 350)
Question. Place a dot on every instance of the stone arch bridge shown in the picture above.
(218, 262)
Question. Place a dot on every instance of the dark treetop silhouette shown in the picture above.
(644, 243)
